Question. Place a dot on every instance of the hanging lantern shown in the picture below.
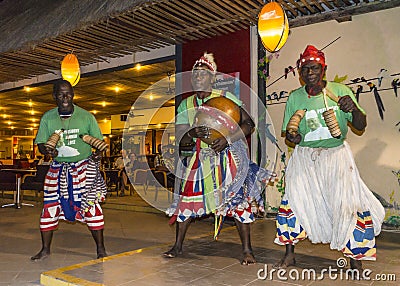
(273, 26)
(70, 70)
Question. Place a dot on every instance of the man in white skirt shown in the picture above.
(325, 198)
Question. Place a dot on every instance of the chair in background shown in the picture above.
(35, 182)
(123, 176)
(162, 180)
(7, 182)
(140, 178)
(112, 181)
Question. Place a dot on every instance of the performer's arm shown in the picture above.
(347, 104)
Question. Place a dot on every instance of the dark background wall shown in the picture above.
(231, 54)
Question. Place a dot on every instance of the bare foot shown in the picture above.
(101, 253)
(248, 258)
(286, 261)
(356, 264)
(41, 255)
(172, 253)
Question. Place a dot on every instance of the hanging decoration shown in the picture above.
(378, 98)
(273, 26)
(70, 69)
(395, 84)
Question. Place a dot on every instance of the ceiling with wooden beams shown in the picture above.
(36, 35)
(104, 95)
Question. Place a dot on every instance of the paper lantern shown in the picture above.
(70, 70)
(273, 26)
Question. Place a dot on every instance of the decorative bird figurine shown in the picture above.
(382, 74)
(359, 90)
(395, 84)
(288, 70)
(378, 98)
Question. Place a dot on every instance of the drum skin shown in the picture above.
(221, 115)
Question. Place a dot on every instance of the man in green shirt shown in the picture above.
(325, 198)
(73, 186)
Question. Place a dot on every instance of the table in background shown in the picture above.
(17, 193)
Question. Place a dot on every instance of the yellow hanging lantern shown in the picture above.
(273, 26)
(70, 70)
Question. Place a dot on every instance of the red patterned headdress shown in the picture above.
(206, 60)
(311, 54)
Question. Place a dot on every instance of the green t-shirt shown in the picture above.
(312, 127)
(71, 148)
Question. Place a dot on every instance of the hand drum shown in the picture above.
(221, 115)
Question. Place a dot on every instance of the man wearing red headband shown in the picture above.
(325, 198)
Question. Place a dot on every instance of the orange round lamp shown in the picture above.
(273, 26)
(70, 69)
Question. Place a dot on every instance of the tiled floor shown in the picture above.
(136, 235)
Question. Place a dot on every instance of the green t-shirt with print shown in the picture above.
(70, 147)
(312, 127)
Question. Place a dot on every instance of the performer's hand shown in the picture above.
(219, 144)
(96, 156)
(52, 152)
(346, 104)
(199, 132)
(293, 138)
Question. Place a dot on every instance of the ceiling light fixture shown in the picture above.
(70, 69)
(273, 26)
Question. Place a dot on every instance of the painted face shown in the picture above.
(312, 73)
(202, 80)
(64, 98)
